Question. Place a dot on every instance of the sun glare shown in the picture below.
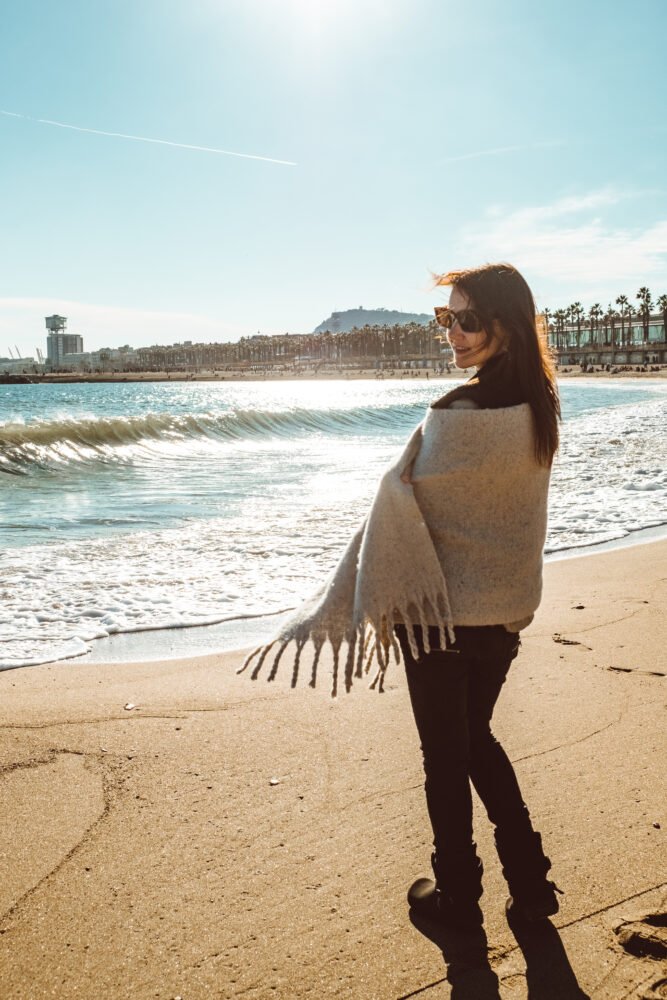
(318, 17)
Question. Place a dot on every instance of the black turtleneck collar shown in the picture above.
(493, 386)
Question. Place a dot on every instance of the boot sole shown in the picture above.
(530, 914)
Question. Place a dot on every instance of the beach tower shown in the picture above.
(58, 342)
(56, 324)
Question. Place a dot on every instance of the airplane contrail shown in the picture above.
(144, 138)
(499, 150)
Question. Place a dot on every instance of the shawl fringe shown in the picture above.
(470, 470)
(372, 641)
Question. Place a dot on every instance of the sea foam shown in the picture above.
(123, 523)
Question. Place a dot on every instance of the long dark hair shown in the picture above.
(506, 306)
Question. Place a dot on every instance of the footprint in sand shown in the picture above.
(645, 938)
(636, 670)
(657, 991)
(557, 637)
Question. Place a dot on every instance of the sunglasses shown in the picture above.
(467, 319)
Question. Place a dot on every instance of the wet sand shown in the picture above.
(226, 838)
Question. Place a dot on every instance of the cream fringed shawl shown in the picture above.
(461, 544)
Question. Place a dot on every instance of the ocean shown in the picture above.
(127, 507)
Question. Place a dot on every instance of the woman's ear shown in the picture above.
(500, 335)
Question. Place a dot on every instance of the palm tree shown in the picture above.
(625, 310)
(560, 317)
(396, 340)
(367, 339)
(546, 312)
(605, 325)
(594, 314)
(662, 306)
(612, 316)
(645, 306)
(570, 334)
(577, 314)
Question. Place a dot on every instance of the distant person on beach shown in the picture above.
(490, 324)
(447, 569)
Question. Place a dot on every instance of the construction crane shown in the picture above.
(40, 356)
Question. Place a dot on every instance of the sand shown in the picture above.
(322, 375)
(225, 838)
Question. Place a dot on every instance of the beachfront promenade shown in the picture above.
(603, 339)
(173, 830)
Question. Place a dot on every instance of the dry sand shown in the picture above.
(146, 853)
(323, 375)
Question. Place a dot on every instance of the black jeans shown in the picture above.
(453, 694)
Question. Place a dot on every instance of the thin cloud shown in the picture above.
(535, 215)
(501, 150)
(569, 248)
(144, 138)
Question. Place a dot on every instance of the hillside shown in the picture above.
(341, 322)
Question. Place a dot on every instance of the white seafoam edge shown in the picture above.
(609, 486)
(174, 644)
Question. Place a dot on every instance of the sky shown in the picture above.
(320, 155)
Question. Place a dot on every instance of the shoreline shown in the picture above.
(234, 629)
(397, 375)
(173, 829)
(224, 637)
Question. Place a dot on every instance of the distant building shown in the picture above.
(8, 365)
(611, 340)
(80, 359)
(59, 343)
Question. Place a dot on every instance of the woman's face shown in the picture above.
(470, 349)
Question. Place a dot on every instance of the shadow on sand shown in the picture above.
(549, 975)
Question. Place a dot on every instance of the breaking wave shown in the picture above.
(54, 443)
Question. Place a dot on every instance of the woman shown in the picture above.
(449, 561)
(490, 323)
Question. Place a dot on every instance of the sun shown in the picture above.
(318, 18)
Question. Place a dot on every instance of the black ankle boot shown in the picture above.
(453, 897)
(534, 904)
(426, 899)
(525, 867)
